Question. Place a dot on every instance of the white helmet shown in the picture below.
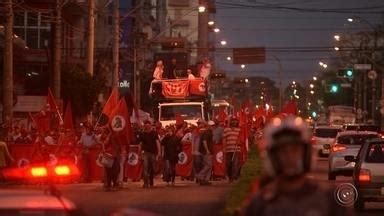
(279, 132)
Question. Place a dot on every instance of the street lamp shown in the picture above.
(202, 9)
(294, 82)
(311, 86)
(242, 66)
(223, 42)
(216, 30)
(337, 37)
(312, 92)
(246, 80)
(229, 58)
(211, 23)
(350, 19)
(337, 48)
(314, 78)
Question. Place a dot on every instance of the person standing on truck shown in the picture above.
(170, 72)
(150, 149)
(159, 70)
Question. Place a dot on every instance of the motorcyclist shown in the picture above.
(287, 159)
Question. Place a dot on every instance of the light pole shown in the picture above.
(279, 73)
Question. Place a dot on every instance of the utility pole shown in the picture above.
(203, 18)
(91, 36)
(8, 66)
(57, 52)
(115, 43)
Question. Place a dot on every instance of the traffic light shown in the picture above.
(345, 73)
(314, 114)
(334, 88)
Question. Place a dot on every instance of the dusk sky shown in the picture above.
(247, 26)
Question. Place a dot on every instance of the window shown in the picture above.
(355, 139)
(33, 27)
(326, 132)
(375, 153)
(187, 112)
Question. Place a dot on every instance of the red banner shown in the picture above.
(184, 164)
(197, 87)
(134, 166)
(175, 88)
(218, 161)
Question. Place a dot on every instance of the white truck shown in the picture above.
(190, 112)
(340, 115)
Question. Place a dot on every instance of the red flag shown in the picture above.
(197, 87)
(111, 103)
(218, 162)
(290, 108)
(184, 164)
(42, 121)
(179, 119)
(120, 123)
(68, 117)
(53, 106)
(175, 89)
(246, 107)
(222, 116)
(134, 167)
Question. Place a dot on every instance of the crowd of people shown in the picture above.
(158, 147)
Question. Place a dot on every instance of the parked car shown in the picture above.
(368, 175)
(347, 143)
(323, 136)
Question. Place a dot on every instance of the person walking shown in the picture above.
(87, 142)
(206, 150)
(171, 147)
(150, 149)
(232, 149)
(111, 149)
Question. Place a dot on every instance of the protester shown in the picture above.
(150, 148)
(206, 149)
(5, 156)
(190, 74)
(232, 149)
(159, 70)
(171, 69)
(196, 155)
(205, 69)
(287, 160)
(87, 141)
(113, 150)
(171, 147)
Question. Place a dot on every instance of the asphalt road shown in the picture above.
(185, 198)
(320, 174)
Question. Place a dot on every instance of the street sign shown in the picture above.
(346, 85)
(254, 55)
(362, 66)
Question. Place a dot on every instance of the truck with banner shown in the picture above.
(184, 99)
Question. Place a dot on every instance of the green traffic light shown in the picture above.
(349, 73)
(314, 114)
(334, 88)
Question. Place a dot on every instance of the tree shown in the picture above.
(80, 88)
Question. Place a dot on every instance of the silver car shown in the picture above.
(324, 136)
(368, 175)
(347, 143)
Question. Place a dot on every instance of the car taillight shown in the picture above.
(38, 171)
(364, 176)
(62, 170)
(338, 147)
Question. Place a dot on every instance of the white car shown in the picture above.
(323, 137)
(347, 143)
(34, 202)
